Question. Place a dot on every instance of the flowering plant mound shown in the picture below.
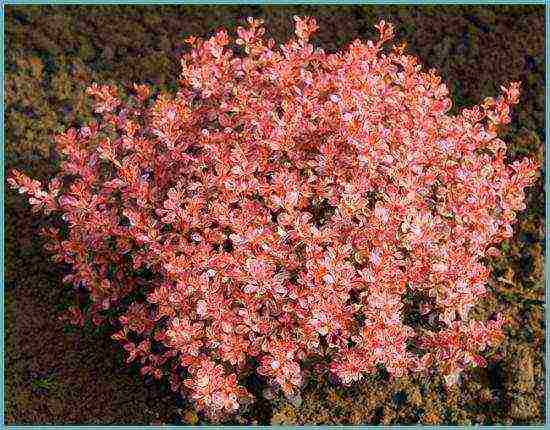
(285, 204)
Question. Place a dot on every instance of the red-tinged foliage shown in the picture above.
(279, 207)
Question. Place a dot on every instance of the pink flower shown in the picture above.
(285, 204)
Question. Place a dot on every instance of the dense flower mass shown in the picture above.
(285, 204)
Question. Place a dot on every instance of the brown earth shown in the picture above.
(57, 376)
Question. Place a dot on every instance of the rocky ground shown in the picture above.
(58, 376)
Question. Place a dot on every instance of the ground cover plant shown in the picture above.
(278, 209)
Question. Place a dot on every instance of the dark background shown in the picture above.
(59, 376)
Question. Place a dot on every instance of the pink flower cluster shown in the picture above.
(280, 207)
